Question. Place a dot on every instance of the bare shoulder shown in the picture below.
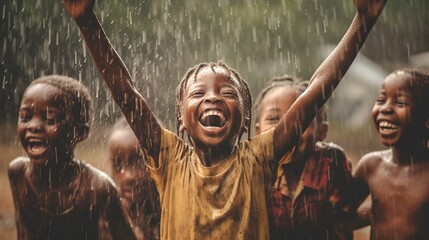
(371, 161)
(99, 183)
(95, 176)
(17, 166)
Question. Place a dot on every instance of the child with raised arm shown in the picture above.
(57, 196)
(398, 178)
(218, 186)
(138, 193)
(312, 195)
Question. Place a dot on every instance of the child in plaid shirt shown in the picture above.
(312, 194)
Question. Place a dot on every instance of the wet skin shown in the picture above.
(139, 195)
(43, 128)
(55, 195)
(393, 110)
(128, 170)
(397, 178)
(274, 105)
(212, 96)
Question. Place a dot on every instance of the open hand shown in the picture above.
(370, 8)
(78, 8)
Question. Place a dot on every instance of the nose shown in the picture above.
(212, 97)
(35, 125)
(386, 108)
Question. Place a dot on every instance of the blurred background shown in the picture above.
(160, 39)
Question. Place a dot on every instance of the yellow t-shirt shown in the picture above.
(225, 201)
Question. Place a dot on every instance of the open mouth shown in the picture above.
(36, 146)
(213, 119)
(387, 127)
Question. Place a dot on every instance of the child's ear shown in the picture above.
(257, 128)
(427, 124)
(182, 127)
(81, 133)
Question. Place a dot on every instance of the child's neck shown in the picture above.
(212, 156)
(55, 173)
(412, 153)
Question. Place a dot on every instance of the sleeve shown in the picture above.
(172, 149)
(262, 146)
(341, 194)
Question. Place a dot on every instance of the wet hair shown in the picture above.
(419, 81)
(76, 97)
(286, 81)
(243, 90)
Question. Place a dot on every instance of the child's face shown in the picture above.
(43, 129)
(212, 109)
(275, 105)
(394, 111)
(126, 157)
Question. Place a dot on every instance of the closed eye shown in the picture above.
(229, 92)
(196, 94)
(380, 100)
(273, 119)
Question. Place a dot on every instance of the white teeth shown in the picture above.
(386, 124)
(35, 140)
(211, 113)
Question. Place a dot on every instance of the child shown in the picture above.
(398, 178)
(312, 195)
(139, 195)
(218, 187)
(57, 196)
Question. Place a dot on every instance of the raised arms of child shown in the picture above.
(326, 77)
(116, 76)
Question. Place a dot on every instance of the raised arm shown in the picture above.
(326, 77)
(116, 76)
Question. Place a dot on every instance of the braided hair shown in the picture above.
(275, 82)
(287, 81)
(243, 90)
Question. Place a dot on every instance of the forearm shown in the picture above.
(322, 84)
(120, 84)
(335, 66)
(108, 62)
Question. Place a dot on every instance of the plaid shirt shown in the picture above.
(321, 205)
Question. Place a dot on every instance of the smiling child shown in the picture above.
(217, 186)
(57, 196)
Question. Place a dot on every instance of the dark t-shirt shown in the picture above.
(96, 198)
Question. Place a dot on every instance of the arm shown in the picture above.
(363, 214)
(361, 203)
(116, 76)
(326, 78)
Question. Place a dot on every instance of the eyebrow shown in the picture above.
(273, 109)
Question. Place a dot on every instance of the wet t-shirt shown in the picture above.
(225, 201)
(96, 198)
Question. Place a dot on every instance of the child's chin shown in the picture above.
(39, 160)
